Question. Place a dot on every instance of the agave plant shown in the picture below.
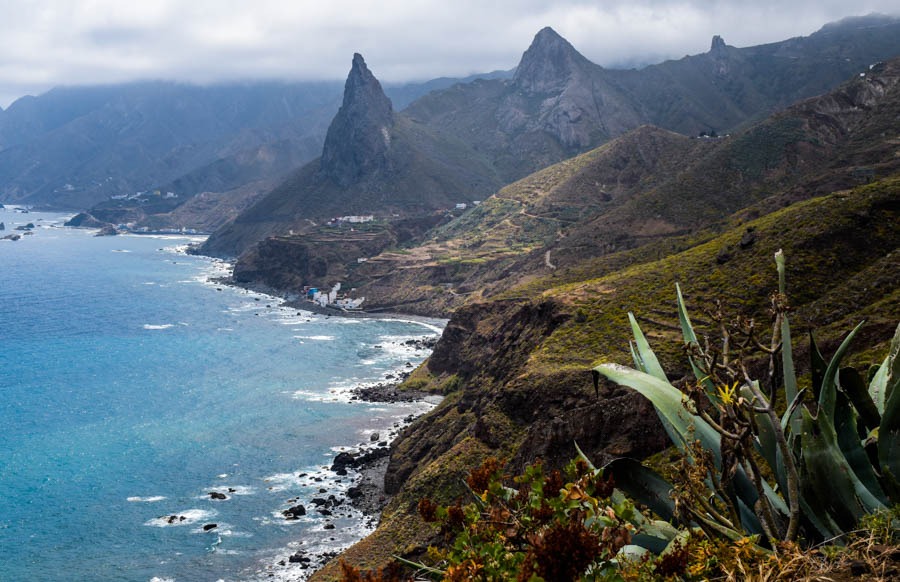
(811, 472)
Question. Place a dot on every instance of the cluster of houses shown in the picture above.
(145, 195)
(332, 299)
(353, 219)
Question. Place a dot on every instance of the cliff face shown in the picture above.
(558, 91)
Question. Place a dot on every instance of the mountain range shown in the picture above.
(556, 105)
(534, 209)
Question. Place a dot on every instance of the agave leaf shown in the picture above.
(828, 394)
(792, 409)
(633, 552)
(687, 331)
(888, 375)
(855, 388)
(420, 567)
(787, 356)
(650, 364)
(818, 365)
(584, 458)
(668, 401)
(766, 443)
(849, 441)
(638, 363)
(828, 483)
(720, 529)
(661, 529)
(820, 521)
(643, 484)
(889, 441)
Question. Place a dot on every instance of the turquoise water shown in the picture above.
(131, 387)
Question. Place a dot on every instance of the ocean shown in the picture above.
(132, 386)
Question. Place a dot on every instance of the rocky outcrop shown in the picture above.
(558, 91)
(359, 137)
(550, 64)
(86, 220)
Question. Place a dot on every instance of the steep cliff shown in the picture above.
(515, 370)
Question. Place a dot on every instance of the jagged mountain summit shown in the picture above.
(358, 138)
(559, 104)
(550, 64)
(374, 162)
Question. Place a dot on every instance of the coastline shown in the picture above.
(365, 462)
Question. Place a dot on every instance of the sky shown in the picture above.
(45, 43)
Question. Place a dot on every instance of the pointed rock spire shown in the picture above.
(548, 63)
(359, 136)
(717, 45)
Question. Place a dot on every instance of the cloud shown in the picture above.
(53, 42)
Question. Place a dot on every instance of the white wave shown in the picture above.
(158, 579)
(230, 490)
(121, 251)
(150, 499)
(333, 395)
(187, 517)
(320, 338)
(295, 320)
(162, 326)
(435, 328)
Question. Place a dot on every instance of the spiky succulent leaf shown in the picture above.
(690, 338)
(887, 377)
(828, 483)
(828, 393)
(889, 440)
(643, 484)
(849, 441)
(649, 362)
(818, 365)
(669, 403)
(854, 387)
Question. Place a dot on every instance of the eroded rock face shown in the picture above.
(518, 414)
(359, 136)
(560, 92)
(549, 64)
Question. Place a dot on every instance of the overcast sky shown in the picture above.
(44, 43)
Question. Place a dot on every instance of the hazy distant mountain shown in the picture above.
(74, 147)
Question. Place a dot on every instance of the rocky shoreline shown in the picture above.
(367, 465)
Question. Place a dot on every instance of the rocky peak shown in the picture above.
(548, 64)
(359, 136)
(718, 45)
